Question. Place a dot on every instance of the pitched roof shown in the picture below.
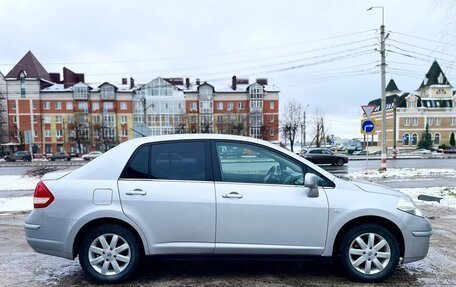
(392, 87)
(434, 76)
(30, 64)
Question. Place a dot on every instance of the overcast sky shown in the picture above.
(320, 53)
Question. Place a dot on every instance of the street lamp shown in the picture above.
(383, 84)
(303, 128)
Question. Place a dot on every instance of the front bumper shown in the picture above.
(417, 233)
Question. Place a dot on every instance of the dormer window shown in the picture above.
(205, 92)
(107, 92)
(440, 78)
(80, 92)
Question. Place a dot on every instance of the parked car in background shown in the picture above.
(19, 155)
(323, 156)
(92, 155)
(360, 152)
(422, 151)
(60, 155)
(144, 205)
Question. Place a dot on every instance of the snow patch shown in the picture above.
(24, 203)
(447, 193)
(403, 173)
(18, 182)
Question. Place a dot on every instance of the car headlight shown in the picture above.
(406, 204)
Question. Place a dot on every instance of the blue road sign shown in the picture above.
(367, 126)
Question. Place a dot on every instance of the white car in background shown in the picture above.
(92, 155)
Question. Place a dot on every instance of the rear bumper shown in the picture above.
(48, 236)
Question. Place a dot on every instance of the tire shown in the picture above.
(355, 260)
(107, 257)
(339, 162)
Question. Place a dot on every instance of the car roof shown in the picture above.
(110, 164)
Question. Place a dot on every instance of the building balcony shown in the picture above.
(256, 109)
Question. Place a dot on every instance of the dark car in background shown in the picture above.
(19, 155)
(60, 155)
(323, 156)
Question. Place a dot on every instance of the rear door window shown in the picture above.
(138, 167)
(179, 161)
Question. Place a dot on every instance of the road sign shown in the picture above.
(368, 110)
(368, 126)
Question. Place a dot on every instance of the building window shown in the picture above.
(414, 139)
(46, 105)
(219, 106)
(81, 92)
(33, 105)
(58, 133)
(15, 119)
(107, 92)
(70, 119)
(95, 106)
(58, 119)
(271, 132)
(58, 105)
(438, 121)
(437, 139)
(69, 106)
(206, 107)
(430, 121)
(193, 119)
(406, 139)
(453, 122)
(193, 106)
(47, 119)
(35, 133)
(22, 92)
(14, 105)
(47, 133)
(96, 119)
(123, 105)
(415, 121)
(220, 119)
(230, 106)
(84, 106)
(34, 119)
(271, 105)
(125, 133)
(123, 119)
(240, 105)
(271, 119)
(107, 106)
(411, 104)
(406, 121)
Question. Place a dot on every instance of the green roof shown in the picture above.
(435, 76)
(391, 87)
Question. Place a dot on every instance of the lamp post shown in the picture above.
(303, 128)
(383, 84)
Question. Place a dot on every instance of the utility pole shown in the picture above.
(304, 131)
(383, 85)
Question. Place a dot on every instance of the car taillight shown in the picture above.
(42, 196)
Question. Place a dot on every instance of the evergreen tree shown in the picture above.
(426, 139)
(452, 140)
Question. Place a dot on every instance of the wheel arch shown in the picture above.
(391, 226)
(103, 221)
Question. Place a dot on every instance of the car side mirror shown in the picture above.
(311, 181)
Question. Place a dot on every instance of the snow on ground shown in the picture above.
(448, 194)
(18, 182)
(403, 173)
(24, 203)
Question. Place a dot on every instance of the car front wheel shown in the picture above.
(340, 162)
(369, 253)
(109, 254)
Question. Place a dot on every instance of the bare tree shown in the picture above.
(291, 121)
(320, 129)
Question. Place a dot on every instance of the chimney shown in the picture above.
(198, 82)
(187, 83)
(233, 83)
(262, 81)
(124, 81)
(132, 83)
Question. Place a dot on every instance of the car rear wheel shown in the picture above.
(340, 162)
(369, 253)
(109, 254)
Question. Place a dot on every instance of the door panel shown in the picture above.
(176, 216)
(270, 219)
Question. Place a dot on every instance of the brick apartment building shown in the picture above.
(49, 112)
(433, 103)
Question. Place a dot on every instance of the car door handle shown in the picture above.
(136, 191)
(232, 194)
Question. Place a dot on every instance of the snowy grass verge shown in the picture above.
(18, 182)
(24, 203)
(447, 193)
(403, 173)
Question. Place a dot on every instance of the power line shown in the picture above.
(421, 38)
(209, 54)
(415, 46)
